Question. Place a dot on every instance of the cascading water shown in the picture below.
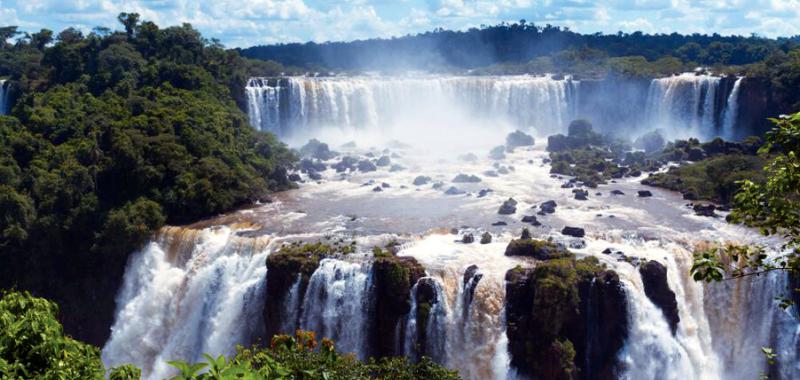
(194, 291)
(336, 304)
(294, 105)
(731, 111)
(187, 293)
(686, 105)
(4, 98)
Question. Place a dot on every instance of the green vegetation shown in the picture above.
(772, 206)
(33, 346)
(111, 136)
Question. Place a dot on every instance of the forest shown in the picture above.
(112, 135)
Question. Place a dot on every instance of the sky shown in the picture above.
(240, 23)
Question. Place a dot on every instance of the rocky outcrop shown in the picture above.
(573, 231)
(566, 319)
(316, 149)
(393, 278)
(538, 249)
(284, 268)
(508, 207)
(654, 278)
(517, 139)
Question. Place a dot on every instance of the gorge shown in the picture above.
(428, 290)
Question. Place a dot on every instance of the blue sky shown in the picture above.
(245, 23)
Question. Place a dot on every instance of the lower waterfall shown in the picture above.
(203, 289)
(4, 97)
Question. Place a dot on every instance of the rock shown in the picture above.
(396, 168)
(645, 193)
(704, 210)
(467, 239)
(508, 207)
(650, 142)
(598, 194)
(437, 185)
(525, 235)
(548, 207)
(567, 185)
(696, 154)
(490, 173)
(656, 287)
(393, 277)
(484, 192)
(499, 223)
(538, 249)
(577, 244)
(454, 191)
(502, 170)
(689, 195)
(634, 173)
(294, 177)
(532, 220)
(346, 163)
(573, 231)
(498, 153)
(316, 149)
(581, 195)
(607, 251)
(307, 165)
(314, 175)
(366, 166)
(617, 192)
(377, 189)
(421, 180)
(385, 185)
(383, 161)
(486, 238)
(368, 183)
(464, 178)
(517, 139)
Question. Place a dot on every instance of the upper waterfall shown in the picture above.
(687, 105)
(4, 98)
(289, 106)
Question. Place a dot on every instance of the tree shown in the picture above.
(773, 207)
(130, 21)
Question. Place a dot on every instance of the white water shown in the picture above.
(3, 97)
(195, 290)
(731, 111)
(395, 104)
(336, 304)
(684, 106)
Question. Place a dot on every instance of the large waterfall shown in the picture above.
(294, 105)
(204, 288)
(4, 96)
(692, 105)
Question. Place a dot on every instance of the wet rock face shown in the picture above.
(393, 278)
(566, 319)
(283, 269)
(656, 287)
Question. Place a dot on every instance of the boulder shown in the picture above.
(573, 231)
(498, 153)
(484, 192)
(486, 238)
(383, 161)
(581, 195)
(307, 165)
(517, 139)
(499, 223)
(345, 164)
(508, 207)
(396, 168)
(645, 193)
(538, 249)
(454, 191)
(704, 210)
(316, 149)
(464, 178)
(468, 239)
(532, 220)
(314, 175)
(548, 207)
(656, 287)
(294, 177)
(421, 180)
(617, 192)
(377, 189)
(366, 166)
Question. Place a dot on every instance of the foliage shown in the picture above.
(302, 357)
(112, 135)
(772, 206)
(33, 344)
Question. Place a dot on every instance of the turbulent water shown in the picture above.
(201, 289)
(4, 98)
(302, 105)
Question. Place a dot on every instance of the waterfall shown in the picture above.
(731, 111)
(685, 105)
(186, 293)
(336, 304)
(4, 96)
(290, 106)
